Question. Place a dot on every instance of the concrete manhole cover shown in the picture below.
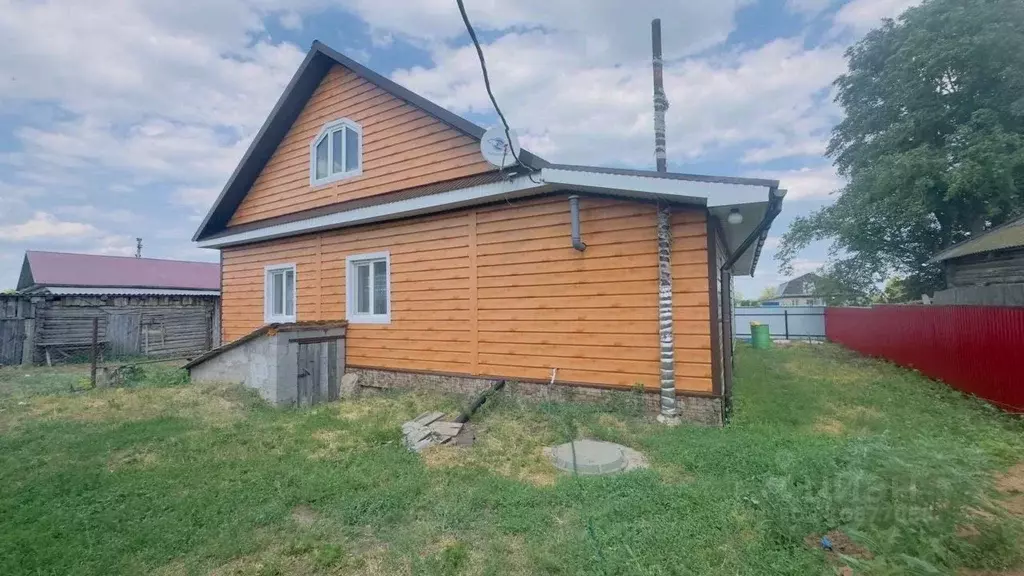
(594, 457)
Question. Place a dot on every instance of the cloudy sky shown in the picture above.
(124, 118)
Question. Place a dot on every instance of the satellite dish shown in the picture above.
(497, 149)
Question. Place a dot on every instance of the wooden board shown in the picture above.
(499, 291)
(403, 147)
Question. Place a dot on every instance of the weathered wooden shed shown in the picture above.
(143, 307)
(987, 269)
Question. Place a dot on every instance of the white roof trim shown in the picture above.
(710, 194)
(115, 291)
(518, 186)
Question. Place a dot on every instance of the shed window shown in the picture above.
(336, 153)
(279, 293)
(368, 287)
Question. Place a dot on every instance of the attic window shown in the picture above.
(336, 153)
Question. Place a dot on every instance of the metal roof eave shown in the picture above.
(714, 195)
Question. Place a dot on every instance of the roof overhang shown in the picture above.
(123, 291)
(754, 199)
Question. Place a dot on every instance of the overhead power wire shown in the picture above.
(487, 85)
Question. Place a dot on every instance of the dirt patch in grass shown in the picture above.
(830, 426)
(842, 544)
(508, 443)
(331, 444)
(1012, 481)
(1010, 485)
(304, 515)
(132, 459)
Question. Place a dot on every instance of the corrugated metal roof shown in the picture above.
(115, 291)
(45, 269)
(1009, 235)
(668, 175)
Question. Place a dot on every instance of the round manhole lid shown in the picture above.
(593, 457)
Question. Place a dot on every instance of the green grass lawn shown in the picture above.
(169, 478)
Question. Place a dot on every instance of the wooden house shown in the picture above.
(361, 201)
(985, 270)
(142, 306)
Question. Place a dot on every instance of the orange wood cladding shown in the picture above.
(403, 147)
(499, 291)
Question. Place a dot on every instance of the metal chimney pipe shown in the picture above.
(660, 100)
(666, 328)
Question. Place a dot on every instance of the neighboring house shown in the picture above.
(359, 200)
(987, 269)
(144, 306)
(799, 291)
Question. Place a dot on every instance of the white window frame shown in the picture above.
(268, 307)
(350, 288)
(326, 132)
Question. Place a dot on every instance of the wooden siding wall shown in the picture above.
(159, 326)
(1004, 267)
(499, 291)
(403, 147)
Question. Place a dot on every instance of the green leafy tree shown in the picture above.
(932, 143)
(895, 292)
(768, 293)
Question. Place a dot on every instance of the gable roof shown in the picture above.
(42, 270)
(319, 60)
(795, 286)
(1008, 235)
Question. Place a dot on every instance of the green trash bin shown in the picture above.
(760, 337)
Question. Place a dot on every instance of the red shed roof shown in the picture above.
(42, 269)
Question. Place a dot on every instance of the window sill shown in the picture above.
(279, 319)
(335, 178)
(370, 319)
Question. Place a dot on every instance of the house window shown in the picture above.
(336, 153)
(368, 287)
(279, 293)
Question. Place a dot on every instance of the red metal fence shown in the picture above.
(975, 349)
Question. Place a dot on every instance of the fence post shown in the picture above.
(785, 317)
(95, 338)
(28, 347)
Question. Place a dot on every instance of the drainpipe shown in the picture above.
(574, 214)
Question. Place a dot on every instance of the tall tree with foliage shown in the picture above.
(932, 144)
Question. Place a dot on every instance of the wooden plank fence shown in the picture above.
(56, 329)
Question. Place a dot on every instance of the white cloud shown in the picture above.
(199, 199)
(807, 182)
(808, 8)
(804, 265)
(43, 225)
(116, 215)
(577, 111)
(859, 16)
(603, 28)
(291, 20)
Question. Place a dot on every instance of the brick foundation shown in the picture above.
(696, 409)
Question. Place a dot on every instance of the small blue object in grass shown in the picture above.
(826, 543)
